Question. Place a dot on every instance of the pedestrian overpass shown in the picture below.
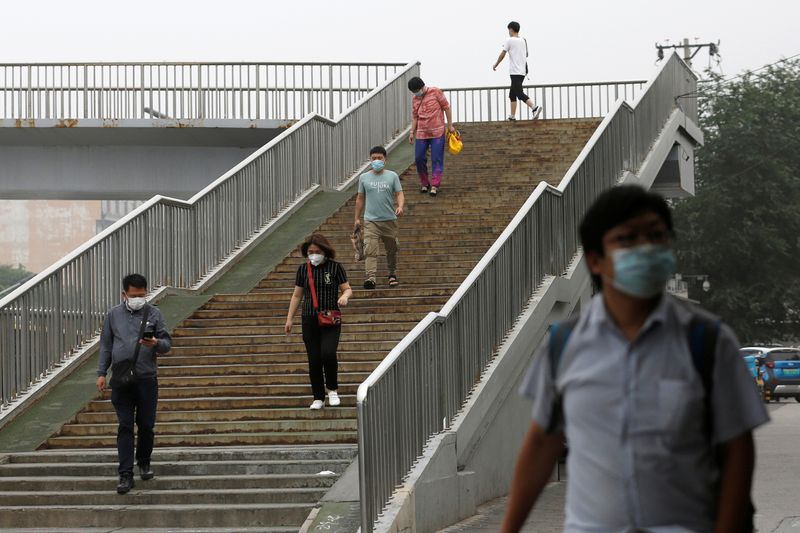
(129, 131)
(429, 389)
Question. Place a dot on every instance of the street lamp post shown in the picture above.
(678, 284)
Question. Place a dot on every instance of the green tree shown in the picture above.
(10, 275)
(742, 228)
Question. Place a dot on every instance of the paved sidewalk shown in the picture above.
(775, 490)
(546, 517)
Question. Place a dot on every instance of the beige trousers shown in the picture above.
(387, 233)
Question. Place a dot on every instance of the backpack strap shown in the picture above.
(703, 334)
(559, 335)
(137, 349)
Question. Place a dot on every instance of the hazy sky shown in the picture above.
(456, 40)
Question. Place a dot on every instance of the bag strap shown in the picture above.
(145, 315)
(526, 46)
(559, 335)
(703, 334)
(313, 289)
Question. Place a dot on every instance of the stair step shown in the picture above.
(224, 402)
(218, 439)
(124, 515)
(247, 453)
(204, 482)
(227, 415)
(182, 468)
(143, 494)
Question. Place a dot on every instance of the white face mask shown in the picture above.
(316, 259)
(134, 304)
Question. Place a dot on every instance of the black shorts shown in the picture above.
(516, 88)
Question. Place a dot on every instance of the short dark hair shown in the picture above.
(513, 26)
(134, 280)
(415, 84)
(321, 242)
(377, 150)
(614, 207)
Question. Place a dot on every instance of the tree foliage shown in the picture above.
(10, 275)
(742, 228)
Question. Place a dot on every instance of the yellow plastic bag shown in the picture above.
(454, 144)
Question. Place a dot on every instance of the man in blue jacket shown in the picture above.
(122, 332)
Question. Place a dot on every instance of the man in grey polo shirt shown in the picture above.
(137, 403)
(644, 456)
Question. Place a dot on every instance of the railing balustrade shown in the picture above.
(185, 91)
(178, 243)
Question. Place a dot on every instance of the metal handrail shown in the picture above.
(422, 384)
(178, 243)
(562, 100)
(185, 91)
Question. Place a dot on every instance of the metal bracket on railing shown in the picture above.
(156, 114)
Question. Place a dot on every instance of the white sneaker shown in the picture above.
(535, 112)
(317, 405)
(333, 399)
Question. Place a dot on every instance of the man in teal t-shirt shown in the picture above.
(379, 190)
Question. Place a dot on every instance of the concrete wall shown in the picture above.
(112, 172)
(120, 163)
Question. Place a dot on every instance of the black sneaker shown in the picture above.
(512, 119)
(145, 472)
(125, 483)
(369, 284)
(423, 190)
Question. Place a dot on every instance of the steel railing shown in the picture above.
(569, 100)
(178, 243)
(185, 91)
(422, 384)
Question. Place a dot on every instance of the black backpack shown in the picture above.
(703, 334)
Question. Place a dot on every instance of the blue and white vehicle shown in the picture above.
(780, 371)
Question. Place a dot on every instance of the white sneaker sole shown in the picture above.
(537, 113)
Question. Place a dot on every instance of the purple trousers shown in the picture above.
(437, 157)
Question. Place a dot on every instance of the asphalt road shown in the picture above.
(776, 489)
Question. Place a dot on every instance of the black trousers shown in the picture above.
(516, 89)
(137, 403)
(321, 345)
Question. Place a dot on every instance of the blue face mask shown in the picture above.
(378, 165)
(419, 93)
(643, 271)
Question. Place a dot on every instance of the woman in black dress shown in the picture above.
(330, 279)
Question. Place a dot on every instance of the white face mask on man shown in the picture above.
(134, 304)
(316, 259)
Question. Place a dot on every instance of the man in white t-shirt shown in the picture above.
(517, 49)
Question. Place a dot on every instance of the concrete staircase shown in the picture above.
(271, 489)
(234, 379)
